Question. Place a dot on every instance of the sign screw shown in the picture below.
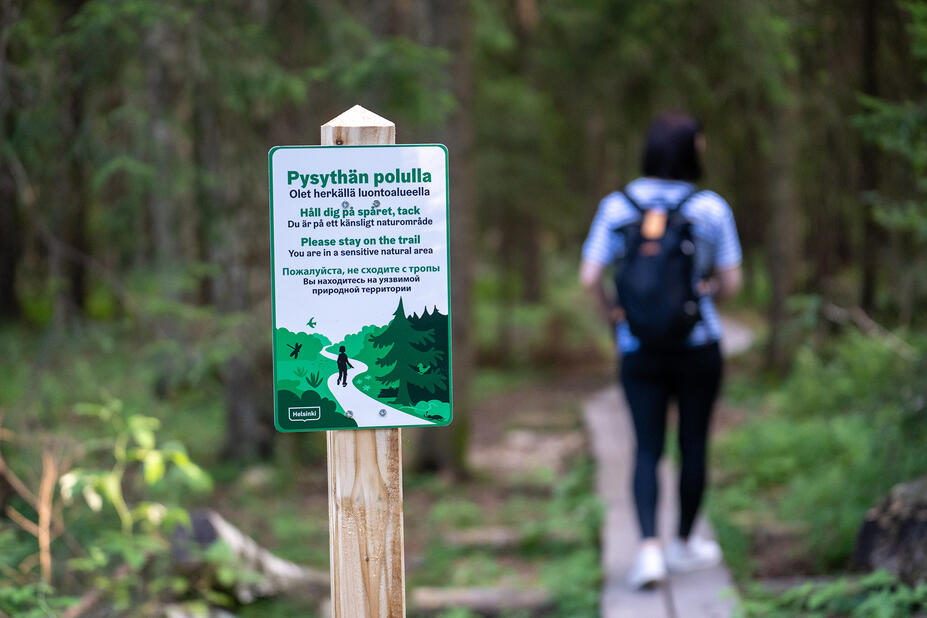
(345, 204)
(382, 412)
(349, 414)
(376, 202)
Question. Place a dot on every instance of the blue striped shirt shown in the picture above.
(713, 228)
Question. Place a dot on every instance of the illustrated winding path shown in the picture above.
(366, 409)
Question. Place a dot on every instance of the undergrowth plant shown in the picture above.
(120, 501)
(878, 595)
(848, 423)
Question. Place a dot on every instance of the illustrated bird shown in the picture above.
(423, 369)
(311, 323)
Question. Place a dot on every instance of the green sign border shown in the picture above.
(273, 290)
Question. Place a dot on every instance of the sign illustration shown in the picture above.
(361, 299)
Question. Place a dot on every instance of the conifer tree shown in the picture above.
(438, 323)
(409, 348)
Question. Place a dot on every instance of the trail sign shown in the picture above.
(361, 299)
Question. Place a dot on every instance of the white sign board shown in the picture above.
(361, 296)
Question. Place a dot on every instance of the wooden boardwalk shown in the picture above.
(701, 594)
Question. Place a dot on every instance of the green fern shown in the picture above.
(314, 380)
(300, 372)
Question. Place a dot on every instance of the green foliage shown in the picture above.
(527, 338)
(900, 130)
(575, 580)
(120, 506)
(433, 410)
(312, 344)
(411, 77)
(878, 595)
(132, 442)
(309, 364)
(456, 513)
(458, 612)
(438, 324)
(228, 568)
(575, 577)
(406, 348)
(276, 608)
(34, 600)
(855, 410)
(357, 345)
(300, 538)
(561, 536)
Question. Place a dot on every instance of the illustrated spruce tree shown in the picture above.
(410, 351)
(436, 322)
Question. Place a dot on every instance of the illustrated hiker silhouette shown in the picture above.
(343, 365)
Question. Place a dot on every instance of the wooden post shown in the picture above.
(365, 469)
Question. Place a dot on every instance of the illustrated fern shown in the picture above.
(314, 380)
(300, 372)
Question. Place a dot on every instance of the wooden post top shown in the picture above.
(358, 126)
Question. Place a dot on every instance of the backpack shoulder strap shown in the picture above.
(631, 201)
(688, 196)
(676, 207)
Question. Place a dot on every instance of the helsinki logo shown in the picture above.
(309, 413)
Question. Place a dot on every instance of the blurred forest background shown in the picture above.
(134, 271)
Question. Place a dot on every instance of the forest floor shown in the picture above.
(518, 538)
(523, 526)
(521, 533)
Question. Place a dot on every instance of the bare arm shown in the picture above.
(590, 276)
(723, 284)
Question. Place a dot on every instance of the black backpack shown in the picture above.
(655, 282)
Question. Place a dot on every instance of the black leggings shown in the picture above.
(650, 379)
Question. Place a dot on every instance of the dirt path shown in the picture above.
(367, 411)
(702, 594)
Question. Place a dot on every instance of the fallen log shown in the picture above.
(501, 537)
(485, 601)
(276, 576)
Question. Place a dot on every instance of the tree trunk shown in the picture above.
(532, 267)
(782, 233)
(11, 246)
(528, 232)
(225, 246)
(747, 174)
(868, 160)
(507, 270)
(68, 252)
(160, 97)
(445, 448)
(79, 194)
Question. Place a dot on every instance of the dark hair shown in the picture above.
(342, 349)
(670, 150)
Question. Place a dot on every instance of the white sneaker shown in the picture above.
(696, 553)
(649, 568)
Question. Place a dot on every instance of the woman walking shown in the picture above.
(675, 251)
